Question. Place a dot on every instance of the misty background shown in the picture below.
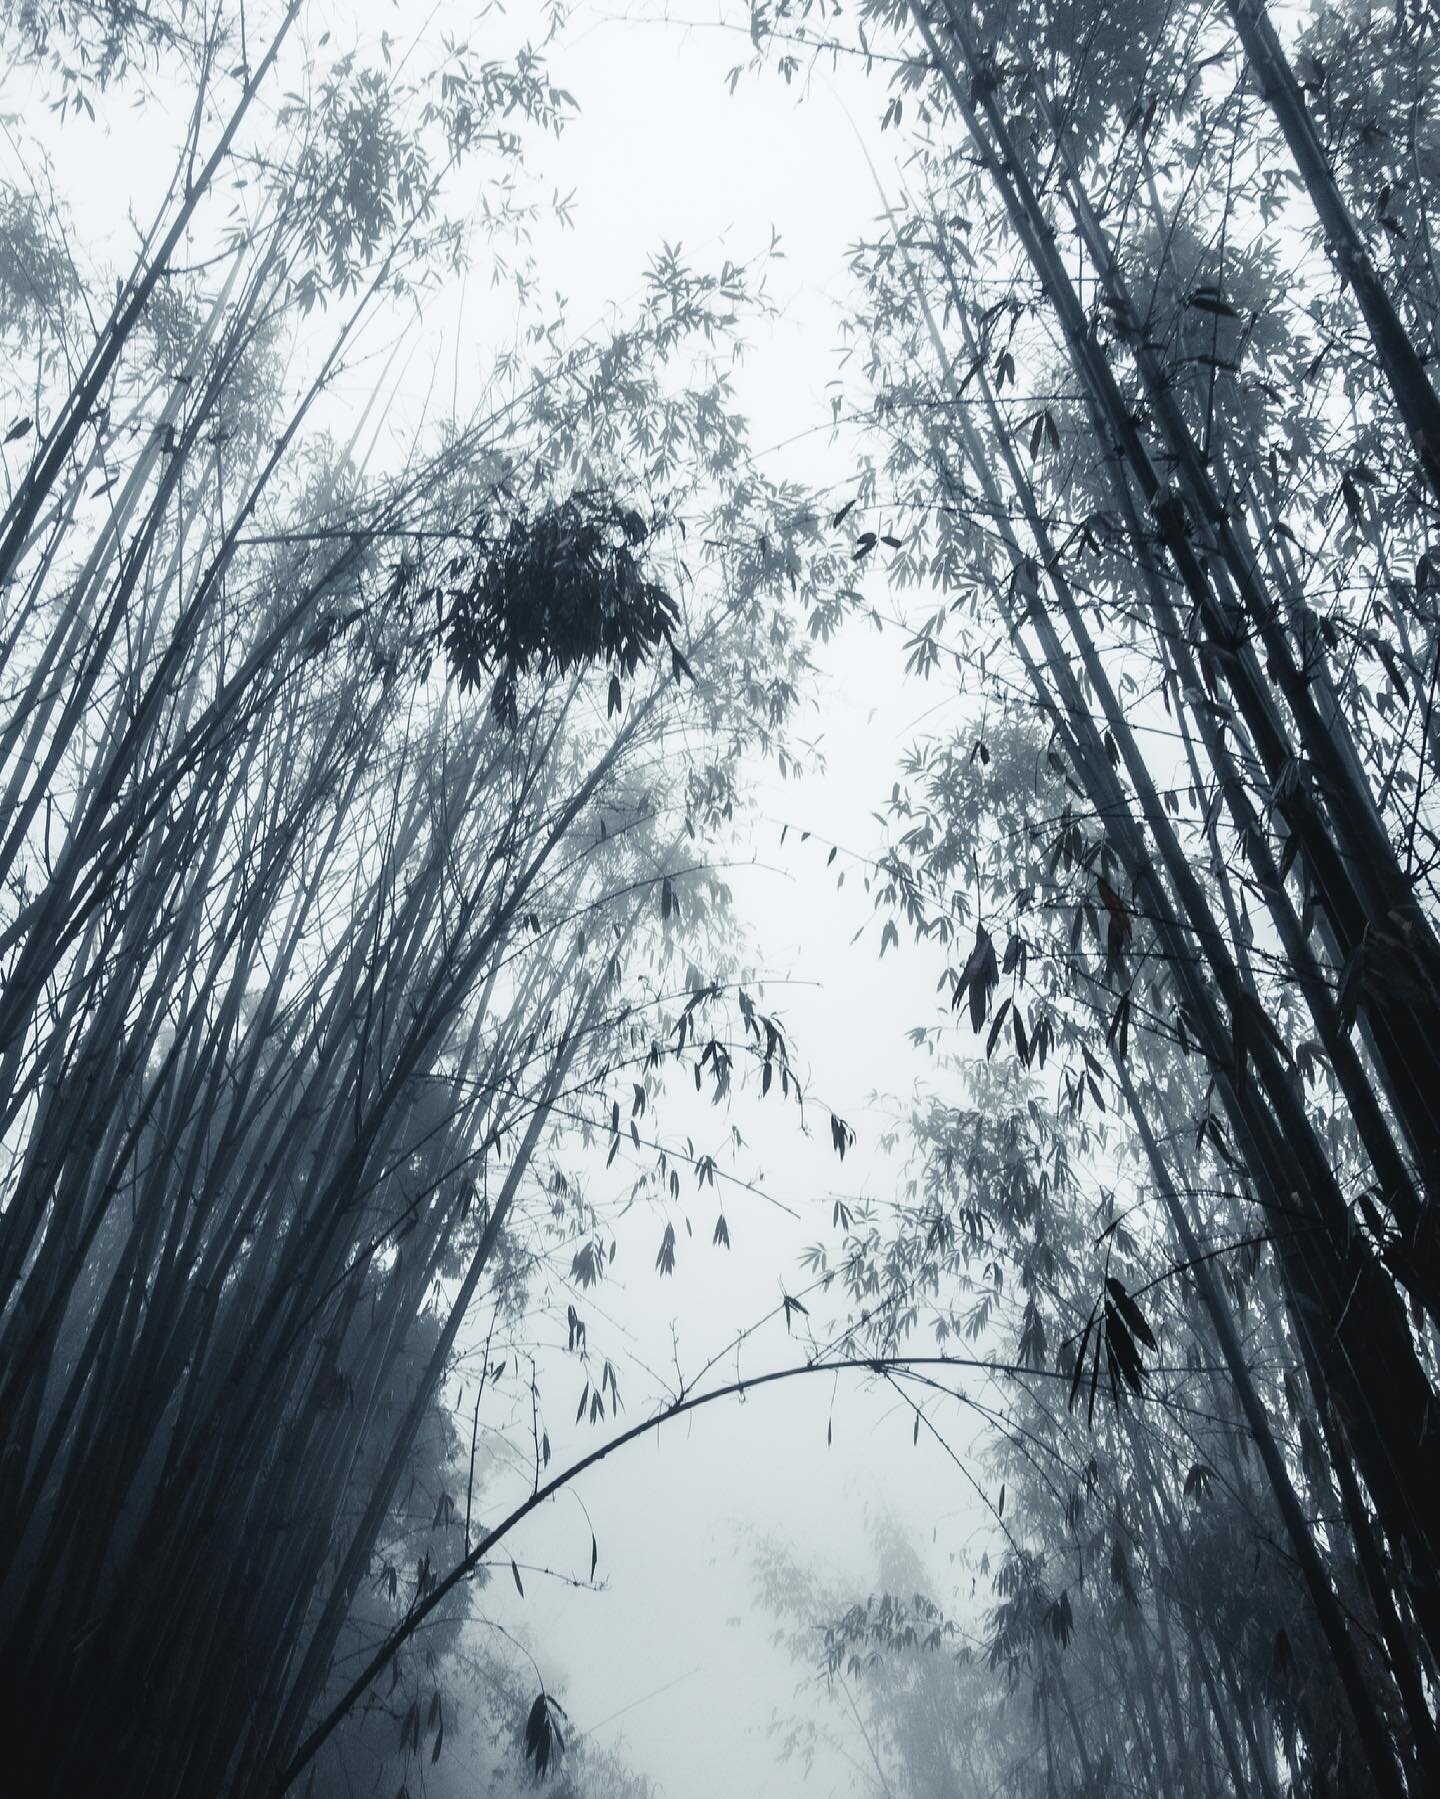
(720, 697)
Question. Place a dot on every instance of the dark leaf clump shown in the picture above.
(560, 590)
(544, 1743)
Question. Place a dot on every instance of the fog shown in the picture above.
(718, 912)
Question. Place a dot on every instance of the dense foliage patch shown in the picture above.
(560, 590)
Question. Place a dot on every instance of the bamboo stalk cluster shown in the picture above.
(1158, 391)
(308, 952)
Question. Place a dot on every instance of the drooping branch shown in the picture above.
(396, 1639)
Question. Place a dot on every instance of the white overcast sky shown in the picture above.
(663, 151)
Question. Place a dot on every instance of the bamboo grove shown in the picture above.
(365, 775)
(353, 803)
(1148, 343)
